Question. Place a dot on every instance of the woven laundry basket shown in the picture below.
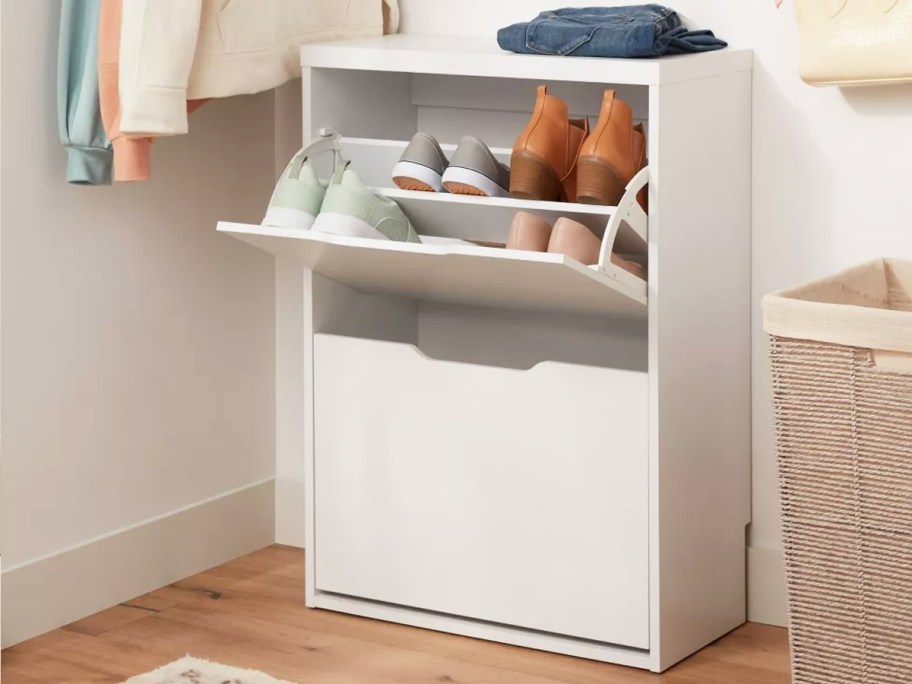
(841, 352)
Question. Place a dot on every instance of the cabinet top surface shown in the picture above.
(481, 56)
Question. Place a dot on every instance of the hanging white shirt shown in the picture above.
(172, 51)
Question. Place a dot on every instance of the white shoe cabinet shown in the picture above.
(514, 446)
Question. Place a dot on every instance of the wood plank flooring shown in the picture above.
(250, 613)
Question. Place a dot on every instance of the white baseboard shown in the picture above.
(39, 596)
(51, 592)
(767, 597)
(290, 512)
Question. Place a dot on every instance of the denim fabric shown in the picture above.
(632, 31)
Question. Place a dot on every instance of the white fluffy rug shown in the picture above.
(195, 671)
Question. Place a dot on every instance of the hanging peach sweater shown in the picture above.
(132, 156)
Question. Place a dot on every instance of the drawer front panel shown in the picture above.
(516, 497)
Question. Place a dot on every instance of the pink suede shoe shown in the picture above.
(571, 238)
(630, 266)
(575, 240)
(529, 232)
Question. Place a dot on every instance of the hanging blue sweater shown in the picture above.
(89, 156)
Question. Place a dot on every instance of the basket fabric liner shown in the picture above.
(869, 306)
(844, 442)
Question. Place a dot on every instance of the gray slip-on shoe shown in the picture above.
(421, 166)
(474, 170)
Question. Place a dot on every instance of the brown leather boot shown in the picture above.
(543, 166)
(611, 156)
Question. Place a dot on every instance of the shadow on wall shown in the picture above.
(891, 101)
(792, 213)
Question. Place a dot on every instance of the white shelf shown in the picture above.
(562, 208)
(460, 216)
(486, 218)
(464, 216)
(471, 275)
(474, 56)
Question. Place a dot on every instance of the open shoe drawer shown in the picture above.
(467, 273)
(479, 491)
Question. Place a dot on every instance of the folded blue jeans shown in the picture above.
(632, 31)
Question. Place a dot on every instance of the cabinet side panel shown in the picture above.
(700, 342)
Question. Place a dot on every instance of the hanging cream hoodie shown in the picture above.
(172, 51)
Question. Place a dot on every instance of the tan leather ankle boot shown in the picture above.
(543, 165)
(611, 156)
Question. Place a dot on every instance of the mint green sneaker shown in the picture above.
(298, 195)
(351, 209)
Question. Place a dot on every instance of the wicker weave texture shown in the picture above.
(844, 431)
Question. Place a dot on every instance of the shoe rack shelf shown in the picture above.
(499, 278)
(458, 215)
(510, 445)
(463, 215)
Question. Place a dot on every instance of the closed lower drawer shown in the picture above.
(516, 497)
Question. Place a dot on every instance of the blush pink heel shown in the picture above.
(575, 240)
(568, 237)
(630, 266)
(529, 232)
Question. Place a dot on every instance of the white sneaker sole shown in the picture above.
(474, 179)
(413, 176)
(283, 217)
(346, 226)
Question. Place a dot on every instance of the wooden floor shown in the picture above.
(250, 613)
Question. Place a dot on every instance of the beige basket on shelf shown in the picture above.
(841, 352)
